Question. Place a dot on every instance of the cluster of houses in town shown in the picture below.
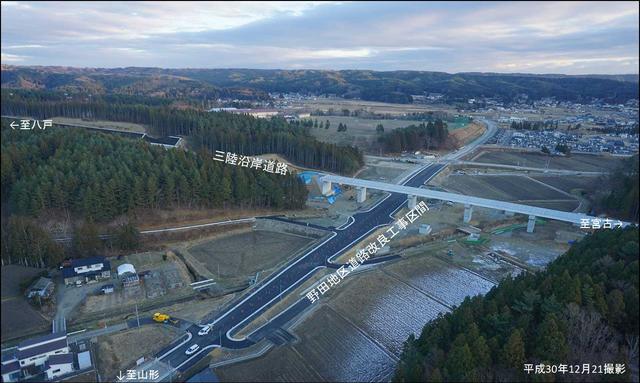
(49, 357)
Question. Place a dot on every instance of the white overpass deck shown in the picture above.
(463, 199)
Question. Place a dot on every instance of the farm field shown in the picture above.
(330, 349)
(385, 308)
(13, 275)
(244, 254)
(577, 162)
(338, 351)
(19, 318)
(505, 188)
(281, 364)
(440, 280)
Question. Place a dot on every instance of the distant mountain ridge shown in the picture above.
(394, 86)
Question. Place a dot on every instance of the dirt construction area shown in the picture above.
(577, 162)
(119, 351)
(245, 253)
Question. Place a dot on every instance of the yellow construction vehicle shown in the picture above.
(163, 318)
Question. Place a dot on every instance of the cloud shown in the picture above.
(569, 37)
(9, 58)
(28, 46)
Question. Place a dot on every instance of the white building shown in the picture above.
(58, 365)
(45, 356)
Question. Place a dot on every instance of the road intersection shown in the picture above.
(299, 270)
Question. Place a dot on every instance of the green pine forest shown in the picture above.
(100, 176)
(582, 309)
(432, 135)
(210, 131)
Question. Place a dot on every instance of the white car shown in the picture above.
(204, 331)
(192, 349)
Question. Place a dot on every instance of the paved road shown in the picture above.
(299, 270)
(293, 275)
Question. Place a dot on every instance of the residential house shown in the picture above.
(42, 288)
(43, 357)
(86, 270)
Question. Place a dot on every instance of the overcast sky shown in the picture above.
(561, 37)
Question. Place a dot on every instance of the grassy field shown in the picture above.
(119, 351)
(570, 184)
(361, 132)
(577, 162)
(244, 254)
(373, 106)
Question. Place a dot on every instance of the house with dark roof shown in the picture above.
(42, 287)
(86, 270)
(58, 365)
(36, 358)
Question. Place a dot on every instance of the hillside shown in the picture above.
(99, 177)
(394, 86)
(582, 309)
(204, 131)
(147, 82)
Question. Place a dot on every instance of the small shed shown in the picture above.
(107, 289)
(84, 360)
(424, 229)
(42, 287)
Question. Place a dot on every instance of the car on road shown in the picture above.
(204, 331)
(192, 349)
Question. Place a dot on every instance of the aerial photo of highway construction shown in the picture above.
(367, 199)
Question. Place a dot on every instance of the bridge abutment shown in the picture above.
(361, 194)
(531, 224)
(468, 212)
(326, 187)
(412, 201)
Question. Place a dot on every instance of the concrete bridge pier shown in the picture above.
(412, 201)
(326, 187)
(531, 224)
(468, 212)
(361, 194)
(508, 213)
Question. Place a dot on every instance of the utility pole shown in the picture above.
(137, 317)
